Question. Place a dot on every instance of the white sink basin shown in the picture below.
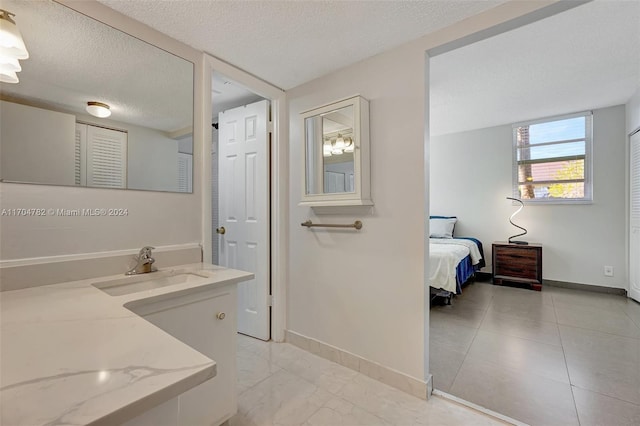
(149, 281)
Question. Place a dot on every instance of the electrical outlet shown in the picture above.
(608, 271)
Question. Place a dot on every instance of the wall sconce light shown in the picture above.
(98, 109)
(12, 48)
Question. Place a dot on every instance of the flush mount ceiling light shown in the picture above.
(12, 48)
(98, 109)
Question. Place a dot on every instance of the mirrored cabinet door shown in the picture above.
(336, 154)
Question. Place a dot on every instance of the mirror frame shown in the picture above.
(361, 157)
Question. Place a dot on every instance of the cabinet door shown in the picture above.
(199, 324)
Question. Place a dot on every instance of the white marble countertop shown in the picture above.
(71, 354)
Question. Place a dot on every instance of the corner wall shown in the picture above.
(364, 293)
(471, 176)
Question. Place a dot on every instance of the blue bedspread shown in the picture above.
(465, 268)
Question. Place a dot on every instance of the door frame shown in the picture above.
(279, 180)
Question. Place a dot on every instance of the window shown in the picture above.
(552, 159)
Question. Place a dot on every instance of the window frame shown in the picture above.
(588, 159)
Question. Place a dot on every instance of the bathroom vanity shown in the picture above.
(156, 348)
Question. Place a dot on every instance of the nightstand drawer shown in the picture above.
(517, 263)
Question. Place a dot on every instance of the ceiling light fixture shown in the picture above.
(98, 109)
(12, 48)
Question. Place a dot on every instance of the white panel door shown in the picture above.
(634, 218)
(243, 205)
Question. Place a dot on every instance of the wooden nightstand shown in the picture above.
(518, 263)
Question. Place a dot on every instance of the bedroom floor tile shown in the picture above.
(608, 321)
(543, 332)
(540, 356)
(458, 315)
(595, 409)
(524, 309)
(526, 397)
(451, 336)
(446, 363)
(520, 355)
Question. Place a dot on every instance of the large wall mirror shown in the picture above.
(336, 138)
(48, 135)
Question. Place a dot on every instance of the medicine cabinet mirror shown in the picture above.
(336, 154)
(49, 137)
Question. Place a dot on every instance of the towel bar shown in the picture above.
(357, 225)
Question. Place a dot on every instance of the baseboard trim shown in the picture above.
(478, 408)
(585, 287)
(386, 375)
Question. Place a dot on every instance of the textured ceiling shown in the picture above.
(585, 58)
(75, 59)
(290, 42)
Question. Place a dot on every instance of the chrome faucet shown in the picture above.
(144, 262)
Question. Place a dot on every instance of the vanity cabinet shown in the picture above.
(336, 154)
(206, 321)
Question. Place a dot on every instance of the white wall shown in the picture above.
(633, 112)
(153, 218)
(471, 176)
(363, 291)
(36, 145)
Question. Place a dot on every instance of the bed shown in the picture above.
(453, 261)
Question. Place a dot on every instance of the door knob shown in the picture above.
(221, 315)
(221, 230)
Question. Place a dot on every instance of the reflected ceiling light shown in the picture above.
(349, 146)
(326, 148)
(9, 64)
(8, 76)
(98, 109)
(11, 43)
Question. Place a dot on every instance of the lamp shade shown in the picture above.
(11, 43)
(98, 109)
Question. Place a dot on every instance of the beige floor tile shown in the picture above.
(281, 399)
(539, 331)
(338, 412)
(252, 369)
(608, 321)
(595, 409)
(444, 364)
(520, 355)
(325, 374)
(386, 402)
(445, 413)
(525, 397)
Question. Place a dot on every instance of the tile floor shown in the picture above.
(280, 384)
(556, 357)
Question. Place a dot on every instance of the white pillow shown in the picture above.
(442, 228)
